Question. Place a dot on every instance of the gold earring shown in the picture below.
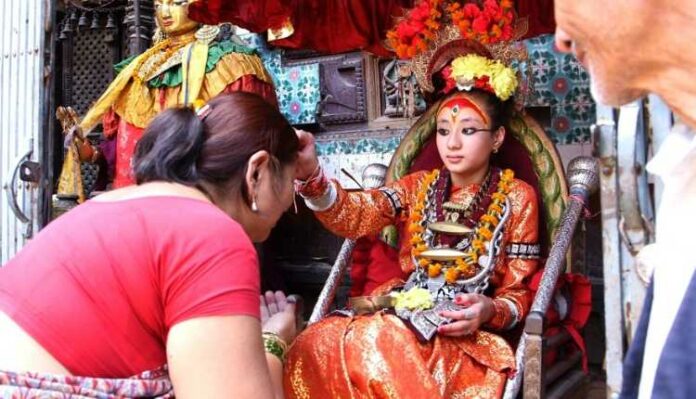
(495, 150)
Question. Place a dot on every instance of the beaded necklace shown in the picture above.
(421, 214)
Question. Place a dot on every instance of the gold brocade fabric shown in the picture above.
(377, 356)
(138, 103)
(148, 102)
(70, 181)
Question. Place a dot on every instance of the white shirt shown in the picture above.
(673, 256)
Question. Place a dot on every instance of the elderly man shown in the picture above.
(631, 48)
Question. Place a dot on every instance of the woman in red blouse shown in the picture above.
(161, 280)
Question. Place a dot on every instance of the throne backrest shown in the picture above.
(527, 150)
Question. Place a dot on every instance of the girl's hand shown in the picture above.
(307, 160)
(477, 310)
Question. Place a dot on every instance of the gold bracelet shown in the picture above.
(275, 345)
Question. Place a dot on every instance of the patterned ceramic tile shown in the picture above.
(353, 151)
(562, 84)
(297, 88)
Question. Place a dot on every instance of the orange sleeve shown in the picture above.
(512, 296)
(357, 214)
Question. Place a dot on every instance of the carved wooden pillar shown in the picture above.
(140, 24)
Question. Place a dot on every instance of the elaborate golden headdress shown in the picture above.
(472, 43)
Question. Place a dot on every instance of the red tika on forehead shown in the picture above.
(463, 102)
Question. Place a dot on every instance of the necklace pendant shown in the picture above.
(450, 228)
(453, 217)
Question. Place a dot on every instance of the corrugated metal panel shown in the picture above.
(21, 90)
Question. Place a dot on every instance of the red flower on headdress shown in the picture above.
(421, 12)
(407, 32)
(481, 23)
(450, 83)
(471, 11)
(493, 10)
(487, 22)
(483, 83)
(506, 32)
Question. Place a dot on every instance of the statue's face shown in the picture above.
(172, 16)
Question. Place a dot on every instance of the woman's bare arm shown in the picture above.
(221, 357)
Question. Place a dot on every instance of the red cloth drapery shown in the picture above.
(343, 25)
(337, 26)
(254, 15)
(334, 26)
(539, 14)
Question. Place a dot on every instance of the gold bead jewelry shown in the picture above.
(273, 344)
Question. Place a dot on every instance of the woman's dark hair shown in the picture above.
(499, 111)
(211, 152)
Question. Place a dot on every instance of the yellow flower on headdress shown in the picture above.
(469, 67)
(501, 78)
(503, 81)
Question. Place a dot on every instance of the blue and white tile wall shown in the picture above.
(353, 151)
(561, 83)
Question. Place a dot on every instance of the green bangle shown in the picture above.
(274, 345)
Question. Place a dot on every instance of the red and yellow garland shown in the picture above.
(483, 233)
(487, 22)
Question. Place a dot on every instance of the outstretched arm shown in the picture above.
(212, 357)
(350, 214)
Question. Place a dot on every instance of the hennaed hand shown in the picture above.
(476, 310)
(307, 160)
(278, 315)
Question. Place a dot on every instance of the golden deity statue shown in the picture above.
(187, 62)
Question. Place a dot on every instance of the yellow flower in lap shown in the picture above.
(413, 299)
